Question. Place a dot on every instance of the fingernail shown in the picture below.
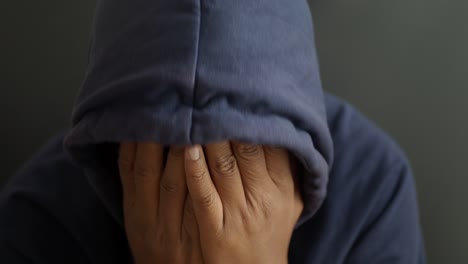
(193, 153)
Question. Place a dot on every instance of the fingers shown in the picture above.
(126, 160)
(189, 219)
(172, 192)
(206, 201)
(278, 166)
(190, 227)
(252, 166)
(147, 171)
(225, 173)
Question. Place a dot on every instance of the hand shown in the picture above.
(158, 215)
(246, 202)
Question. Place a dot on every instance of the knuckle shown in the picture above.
(169, 186)
(144, 171)
(225, 164)
(248, 150)
(267, 207)
(199, 174)
(207, 200)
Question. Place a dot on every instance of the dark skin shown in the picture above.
(236, 203)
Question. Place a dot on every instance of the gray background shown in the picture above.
(403, 63)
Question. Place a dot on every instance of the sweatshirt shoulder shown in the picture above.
(50, 178)
(49, 200)
(371, 201)
(363, 141)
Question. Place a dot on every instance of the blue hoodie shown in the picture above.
(182, 72)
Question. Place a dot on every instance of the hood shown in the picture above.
(182, 72)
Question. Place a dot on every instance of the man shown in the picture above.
(202, 135)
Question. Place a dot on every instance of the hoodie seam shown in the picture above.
(196, 61)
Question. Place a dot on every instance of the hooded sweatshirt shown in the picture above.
(184, 72)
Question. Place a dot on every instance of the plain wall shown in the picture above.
(402, 63)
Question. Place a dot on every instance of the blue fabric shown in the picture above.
(50, 212)
(185, 72)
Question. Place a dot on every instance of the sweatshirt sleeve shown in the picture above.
(392, 232)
